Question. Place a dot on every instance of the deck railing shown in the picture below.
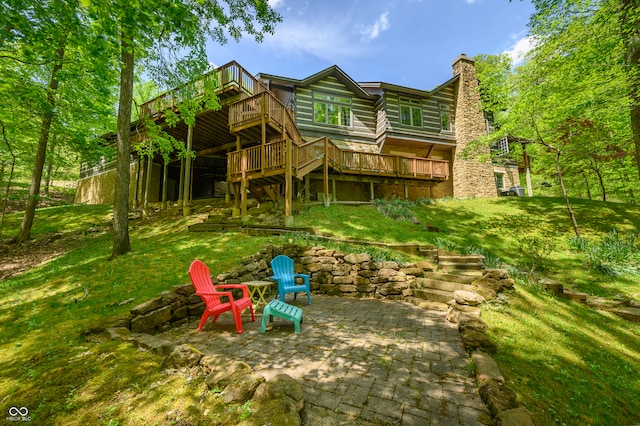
(250, 111)
(227, 77)
(270, 159)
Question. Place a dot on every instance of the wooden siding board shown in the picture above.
(430, 115)
(363, 123)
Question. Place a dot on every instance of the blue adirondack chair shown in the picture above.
(284, 275)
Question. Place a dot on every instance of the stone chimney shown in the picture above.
(472, 170)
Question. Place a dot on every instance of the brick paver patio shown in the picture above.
(360, 361)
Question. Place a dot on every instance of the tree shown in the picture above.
(171, 30)
(554, 18)
(36, 50)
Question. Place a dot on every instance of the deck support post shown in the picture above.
(186, 207)
(527, 169)
(147, 183)
(333, 190)
(243, 185)
(371, 192)
(165, 181)
(326, 172)
(288, 184)
(307, 188)
(406, 191)
(181, 183)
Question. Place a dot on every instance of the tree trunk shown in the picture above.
(601, 181)
(41, 153)
(147, 184)
(566, 197)
(630, 23)
(586, 185)
(121, 242)
(49, 171)
(5, 201)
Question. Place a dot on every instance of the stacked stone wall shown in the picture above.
(331, 272)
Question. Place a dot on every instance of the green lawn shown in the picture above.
(569, 364)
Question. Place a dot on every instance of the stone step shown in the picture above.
(472, 273)
(442, 285)
(428, 304)
(605, 304)
(432, 295)
(428, 252)
(211, 227)
(466, 258)
(553, 287)
(462, 279)
(628, 313)
(460, 266)
(571, 295)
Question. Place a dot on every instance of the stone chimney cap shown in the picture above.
(463, 57)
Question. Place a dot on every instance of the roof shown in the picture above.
(333, 71)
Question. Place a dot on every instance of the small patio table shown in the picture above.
(258, 290)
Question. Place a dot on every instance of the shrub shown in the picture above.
(397, 209)
(613, 255)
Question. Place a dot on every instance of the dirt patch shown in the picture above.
(16, 259)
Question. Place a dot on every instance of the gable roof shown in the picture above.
(332, 71)
(409, 90)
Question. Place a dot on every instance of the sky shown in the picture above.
(409, 43)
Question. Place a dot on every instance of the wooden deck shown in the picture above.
(270, 160)
(227, 80)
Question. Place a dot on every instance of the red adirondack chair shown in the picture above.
(211, 296)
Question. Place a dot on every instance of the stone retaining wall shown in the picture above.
(331, 272)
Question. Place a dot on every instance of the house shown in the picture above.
(324, 137)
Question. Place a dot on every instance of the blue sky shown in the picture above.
(405, 42)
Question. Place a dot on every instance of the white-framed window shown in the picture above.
(499, 181)
(446, 125)
(331, 109)
(411, 112)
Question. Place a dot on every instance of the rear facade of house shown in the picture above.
(321, 137)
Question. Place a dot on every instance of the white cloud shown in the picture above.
(301, 38)
(371, 32)
(519, 49)
(275, 3)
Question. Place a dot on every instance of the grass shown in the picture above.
(568, 364)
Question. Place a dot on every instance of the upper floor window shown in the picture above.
(410, 112)
(331, 109)
(445, 118)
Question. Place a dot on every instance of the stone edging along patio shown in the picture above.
(338, 274)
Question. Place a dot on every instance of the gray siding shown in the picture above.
(430, 115)
(363, 123)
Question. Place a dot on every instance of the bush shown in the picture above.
(613, 255)
(397, 209)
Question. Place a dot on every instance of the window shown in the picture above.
(445, 118)
(411, 112)
(330, 109)
(499, 181)
(503, 146)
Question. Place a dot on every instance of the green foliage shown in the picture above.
(538, 250)
(577, 73)
(614, 254)
(397, 208)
